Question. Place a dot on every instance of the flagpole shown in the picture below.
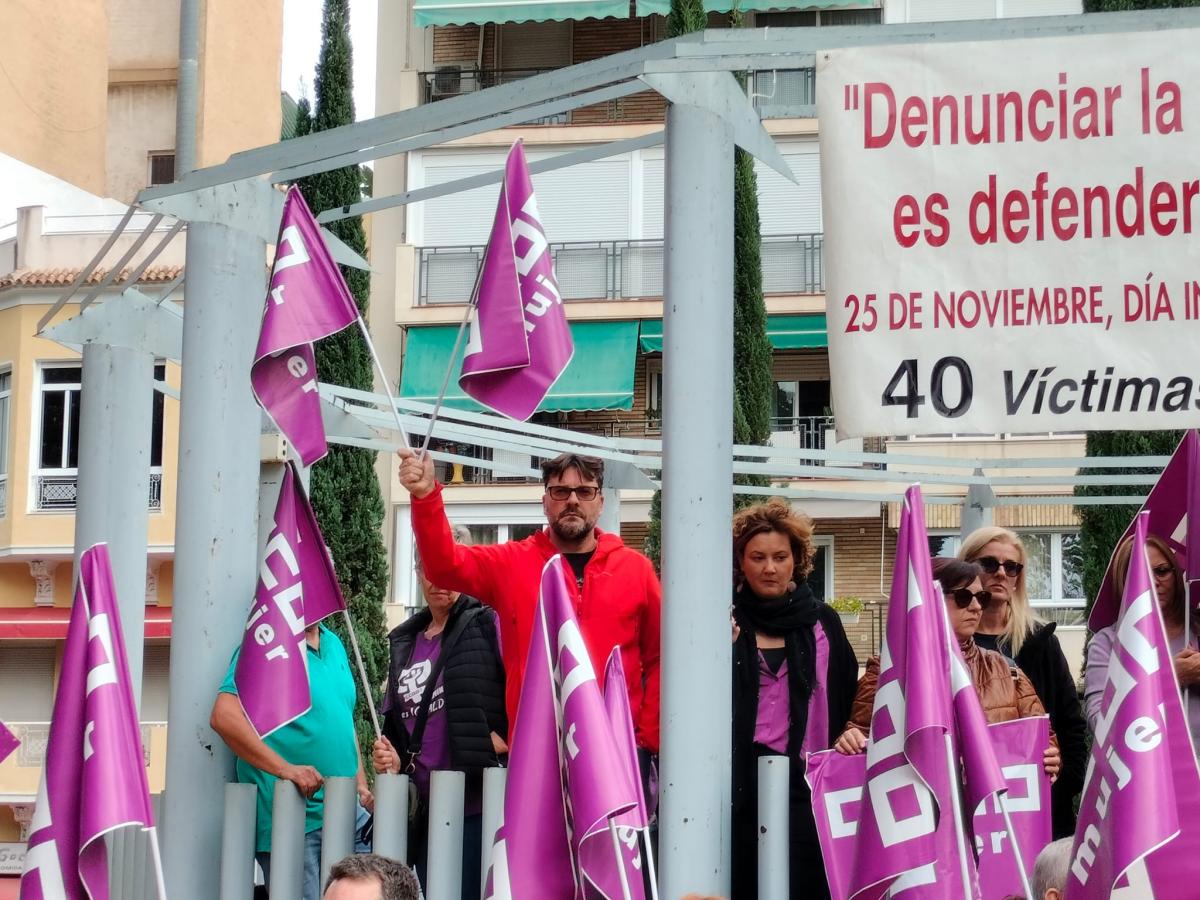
(649, 854)
(956, 804)
(1002, 798)
(612, 830)
(160, 882)
(362, 671)
(462, 327)
(383, 378)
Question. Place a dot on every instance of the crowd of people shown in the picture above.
(456, 667)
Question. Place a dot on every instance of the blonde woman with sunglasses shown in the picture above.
(1169, 590)
(1009, 625)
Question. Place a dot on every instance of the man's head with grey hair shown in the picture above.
(1049, 878)
(371, 877)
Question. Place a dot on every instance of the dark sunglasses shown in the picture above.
(584, 492)
(1163, 571)
(963, 596)
(991, 566)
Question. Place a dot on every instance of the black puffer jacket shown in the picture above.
(1042, 660)
(473, 682)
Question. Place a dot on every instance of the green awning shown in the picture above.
(662, 7)
(785, 333)
(477, 12)
(600, 375)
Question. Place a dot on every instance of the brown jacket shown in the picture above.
(1003, 689)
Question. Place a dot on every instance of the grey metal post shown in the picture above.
(113, 493)
(337, 838)
(443, 866)
(610, 516)
(493, 814)
(391, 817)
(697, 503)
(216, 556)
(773, 852)
(287, 841)
(187, 95)
(978, 509)
(237, 842)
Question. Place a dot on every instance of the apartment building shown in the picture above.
(89, 106)
(605, 222)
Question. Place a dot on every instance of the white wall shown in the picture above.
(141, 120)
(951, 10)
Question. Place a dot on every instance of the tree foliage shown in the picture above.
(1102, 526)
(344, 490)
(1126, 5)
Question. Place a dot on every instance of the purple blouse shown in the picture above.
(774, 716)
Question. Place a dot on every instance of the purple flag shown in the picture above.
(1171, 504)
(296, 588)
(631, 823)
(8, 742)
(308, 300)
(838, 783)
(1019, 746)
(520, 341)
(554, 842)
(1139, 801)
(94, 781)
(911, 835)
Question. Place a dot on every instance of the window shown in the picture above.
(1053, 572)
(162, 168)
(26, 683)
(5, 406)
(820, 579)
(57, 442)
(654, 394)
(799, 405)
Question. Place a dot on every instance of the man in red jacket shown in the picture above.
(615, 592)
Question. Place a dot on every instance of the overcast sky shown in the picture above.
(302, 46)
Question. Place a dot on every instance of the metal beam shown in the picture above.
(575, 157)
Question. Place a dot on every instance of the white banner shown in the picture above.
(1011, 234)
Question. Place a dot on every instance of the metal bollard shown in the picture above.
(391, 817)
(494, 780)
(237, 842)
(443, 878)
(341, 806)
(773, 855)
(287, 841)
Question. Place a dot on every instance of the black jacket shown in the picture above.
(1042, 659)
(841, 677)
(473, 684)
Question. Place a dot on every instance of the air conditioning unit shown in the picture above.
(448, 81)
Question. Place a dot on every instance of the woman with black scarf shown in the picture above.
(794, 675)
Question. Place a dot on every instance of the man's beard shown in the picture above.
(573, 530)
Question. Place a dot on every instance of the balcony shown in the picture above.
(59, 492)
(775, 93)
(617, 270)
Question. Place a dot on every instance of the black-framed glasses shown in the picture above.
(962, 597)
(991, 566)
(1163, 570)
(584, 492)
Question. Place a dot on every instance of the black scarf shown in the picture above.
(791, 617)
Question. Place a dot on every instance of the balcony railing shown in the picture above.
(774, 93)
(618, 270)
(800, 432)
(60, 492)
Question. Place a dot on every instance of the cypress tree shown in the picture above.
(1102, 526)
(752, 376)
(344, 490)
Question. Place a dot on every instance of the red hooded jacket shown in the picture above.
(620, 605)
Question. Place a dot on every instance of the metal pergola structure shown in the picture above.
(232, 211)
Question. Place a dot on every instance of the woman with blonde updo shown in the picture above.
(794, 675)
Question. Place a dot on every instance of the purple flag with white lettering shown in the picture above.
(838, 784)
(308, 300)
(94, 780)
(1171, 504)
(296, 588)
(520, 341)
(8, 742)
(911, 836)
(1135, 836)
(555, 842)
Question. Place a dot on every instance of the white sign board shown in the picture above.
(1013, 234)
(12, 858)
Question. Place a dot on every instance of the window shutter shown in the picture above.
(26, 684)
(787, 208)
